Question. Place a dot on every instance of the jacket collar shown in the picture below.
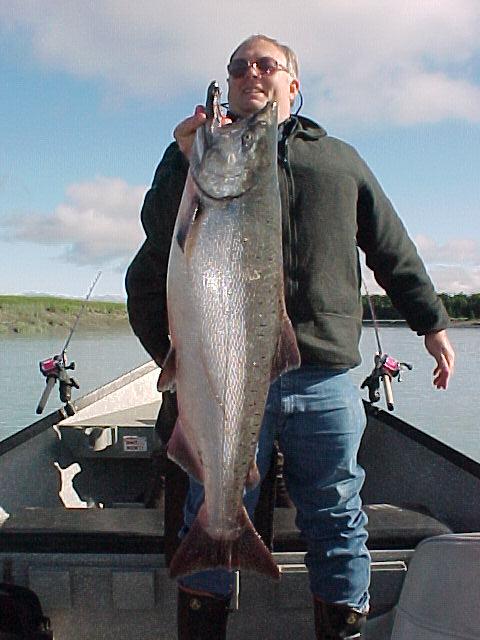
(305, 128)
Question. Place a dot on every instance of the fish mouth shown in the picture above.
(227, 177)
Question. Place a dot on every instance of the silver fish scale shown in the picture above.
(235, 293)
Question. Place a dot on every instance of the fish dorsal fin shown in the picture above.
(287, 355)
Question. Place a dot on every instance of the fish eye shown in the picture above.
(247, 138)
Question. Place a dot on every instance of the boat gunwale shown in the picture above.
(428, 441)
(31, 431)
(114, 385)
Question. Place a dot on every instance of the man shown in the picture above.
(331, 203)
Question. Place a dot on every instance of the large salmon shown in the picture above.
(229, 330)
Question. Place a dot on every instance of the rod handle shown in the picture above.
(387, 385)
(46, 392)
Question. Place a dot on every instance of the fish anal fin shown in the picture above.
(181, 451)
(166, 380)
(253, 476)
(198, 551)
(287, 355)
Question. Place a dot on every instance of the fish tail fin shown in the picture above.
(251, 553)
(199, 551)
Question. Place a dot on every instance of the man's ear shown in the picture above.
(294, 88)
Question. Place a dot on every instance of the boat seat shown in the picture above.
(389, 527)
(441, 594)
(57, 529)
(138, 530)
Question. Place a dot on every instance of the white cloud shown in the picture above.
(446, 279)
(451, 279)
(98, 223)
(453, 266)
(456, 252)
(364, 61)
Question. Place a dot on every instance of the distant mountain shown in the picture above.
(105, 298)
(109, 298)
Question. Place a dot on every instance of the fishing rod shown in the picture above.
(385, 367)
(56, 367)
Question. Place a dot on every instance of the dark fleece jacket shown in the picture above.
(331, 205)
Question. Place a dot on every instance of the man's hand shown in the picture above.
(438, 345)
(184, 132)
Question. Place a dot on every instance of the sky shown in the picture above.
(91, 91)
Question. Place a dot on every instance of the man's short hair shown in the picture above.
(290, 55)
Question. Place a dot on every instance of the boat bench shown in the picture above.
(139, 530)
(389, 527)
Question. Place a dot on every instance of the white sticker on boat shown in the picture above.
(135, 443)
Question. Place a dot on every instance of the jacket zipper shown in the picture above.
(291, 259)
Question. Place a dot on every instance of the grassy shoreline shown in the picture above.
(30, 315)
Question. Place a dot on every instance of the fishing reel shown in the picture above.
(385, 368)
(55, 368)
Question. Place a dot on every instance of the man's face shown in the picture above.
(248, 94)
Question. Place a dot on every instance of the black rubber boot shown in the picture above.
(337, 622)
(201, 617)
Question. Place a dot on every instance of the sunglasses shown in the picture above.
(239, 67)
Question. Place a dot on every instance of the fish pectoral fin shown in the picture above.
(181, 451)
(190, 209)
(198, 550)
(167, 377)
(287, 355)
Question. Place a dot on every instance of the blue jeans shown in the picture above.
(317, 416)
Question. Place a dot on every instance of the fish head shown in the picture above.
(227, 160)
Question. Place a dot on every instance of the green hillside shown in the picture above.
(43, 314)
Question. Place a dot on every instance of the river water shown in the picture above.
(451, 416)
